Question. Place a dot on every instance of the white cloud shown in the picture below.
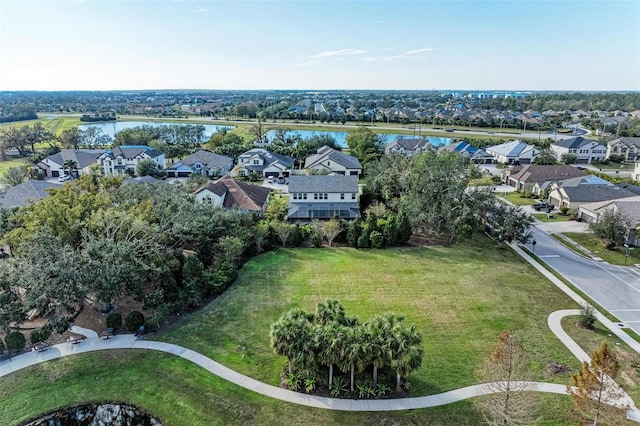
(333, 53)
(413, 52)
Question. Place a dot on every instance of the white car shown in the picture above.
(64, 178)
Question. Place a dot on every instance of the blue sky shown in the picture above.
(148, 44)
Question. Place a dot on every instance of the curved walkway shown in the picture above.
(128, 341)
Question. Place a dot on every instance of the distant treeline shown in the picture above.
(19, 112)
(98, 117)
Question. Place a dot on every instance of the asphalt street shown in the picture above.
(615, 288)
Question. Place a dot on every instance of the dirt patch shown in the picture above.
(557, 368)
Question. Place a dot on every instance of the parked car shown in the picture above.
(64, 178)
(543, 206)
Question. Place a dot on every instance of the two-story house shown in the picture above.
(585, 150)
(328, 160)
(201, 162)
(83, 159)
(124, 159)
(263, 163)
(228, 193)
(627, 147)
(323, 197)
(408, 147)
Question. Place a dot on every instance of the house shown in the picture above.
(263, 163)
(516, 152)
(408, 147)
(328, 160)
(53, 165)
(585, 150)
(525, 178)
(27, 192)
(627, 147)
(124, 159)
(463, 148)
(628, 207)
(229, 193)
(201, 162)
(323, 197)
(574, 196)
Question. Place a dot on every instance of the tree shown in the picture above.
(14, 176)
(506, 374)
(147, 167)
(283, 230)
(231, 247)
(70, 139)
(508, 224)
(364, 144)
(36, 134)
(569, 158)
(611, 228)
(134, 320)
(276, 209)
(331, 229)
(594, 384)
(260, 235)
(546, 156)
(15, 341)
(405, 349)
(70, 166)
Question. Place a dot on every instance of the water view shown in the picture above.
(96, 415)
(341, 137)
(110, 128)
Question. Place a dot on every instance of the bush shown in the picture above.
(114, 321)
(587, 317)
(377, 239)
(15, 341)
(2, 347)
(39, 335)
(134, 320)
(354, 231)
(564, 210)
(363, 241)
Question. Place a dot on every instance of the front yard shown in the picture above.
(515, 198)
(597, 247)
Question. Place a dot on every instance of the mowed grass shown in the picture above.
(7, 164)
(596, 246)
(516, 199)
(179, 393)
(460, 299)
(55, 125)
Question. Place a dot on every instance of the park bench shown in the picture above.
(76, 340)
(106, 335)
(41, 346)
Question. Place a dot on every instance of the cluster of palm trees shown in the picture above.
(314, 343)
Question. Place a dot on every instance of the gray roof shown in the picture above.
(132, 151)
(318, 183)
(268, 158)
(26, 192)
(593, 193)
(543, 173)
(510, 149)
(408, 144)
(573, 143)
(326, 152)
(82, 157)
(243, 195)
(626, 140)
(209, 159)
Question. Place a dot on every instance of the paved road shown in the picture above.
(615, 288)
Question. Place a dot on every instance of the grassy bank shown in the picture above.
(597, 247)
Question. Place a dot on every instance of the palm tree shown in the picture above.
(353, 355)
(70, 165)
(380, 339)
(329, 340)
(287, 334)
(406, 350)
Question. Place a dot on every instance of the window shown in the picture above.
(207, 200)
(315, 196)
(304, 196)
(353, 196)
(119, 161)
(342, 195)
(295, 196)
(256, 162)
(325, 196)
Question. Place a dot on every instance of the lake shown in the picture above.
(341, 137)
(110, 128)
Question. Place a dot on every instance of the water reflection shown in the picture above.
(97, 415)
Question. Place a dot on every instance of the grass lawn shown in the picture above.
(6, 165)
(460, 299)
(629, 360)
(596, 246)
(55, 125)
(181, 394)
(516, 199)
(555, 217)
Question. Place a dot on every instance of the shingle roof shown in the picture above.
(83, 157)
(268, 158)
(543, 173)
(132, 151)
(573, 143)
(329, 183)
(510, 149)
(245, 196)
(25, 192)
(326, 152)
(593, 193)
(626, 141)
(209, 159)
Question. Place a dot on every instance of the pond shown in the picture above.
(341, 137)
(110, 128)
(97, 415)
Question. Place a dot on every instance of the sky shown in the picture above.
(320, 45)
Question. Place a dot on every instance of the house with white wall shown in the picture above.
(263, 163)
(323, 197)
(328, 160)
(123, 160)
(201, 162)
(53, 165)
(585, 150)
(513, 152)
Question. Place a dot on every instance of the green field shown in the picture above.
(6, 165)
(597, 247)
(460, 298)
(516, 199)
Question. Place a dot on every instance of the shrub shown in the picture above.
(354, 231)
(114, 321)
(564, 210)
(573, 214)
(15, 341)
(587, 317)
(2, 347)
(39, 335)
(377, 239)
(363, 241)
(338, 386)
(134, 320)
